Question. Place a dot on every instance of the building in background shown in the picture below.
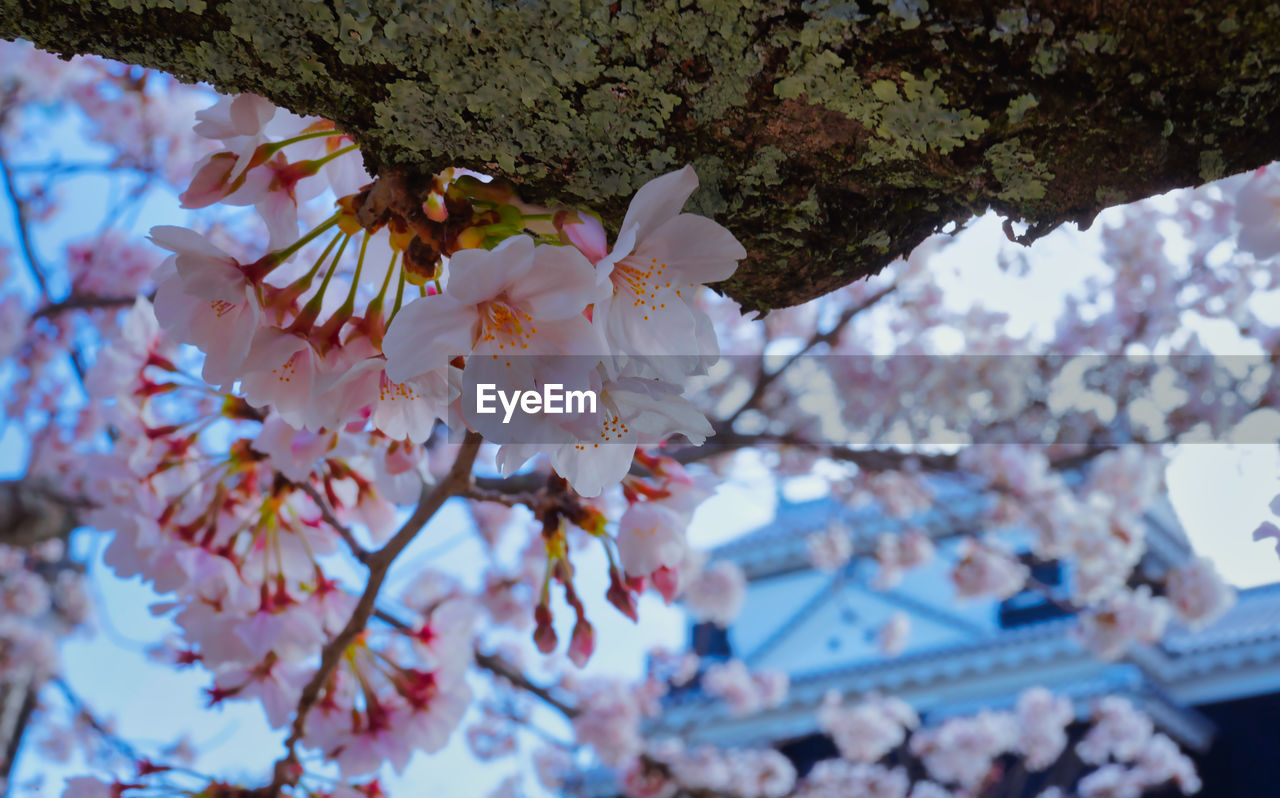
(1216, 691)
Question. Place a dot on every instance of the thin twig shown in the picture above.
(83, 302)
(499, 666)
(379, 563)
(122, 746)
(22, 226)
(511, 498)
(829, 337)
(326, 512)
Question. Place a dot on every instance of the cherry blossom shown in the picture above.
(653, 272)
(1197, 593)
(265, 491)
(717, 593)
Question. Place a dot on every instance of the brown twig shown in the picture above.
(498, 495)
(829, 337)
(326, 512)
(379, 563)
(499, 666)
(83, 302)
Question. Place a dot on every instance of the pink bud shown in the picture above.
(620, 596)
(582, 644)
(666, 582)
(209, 183)
(544, 637)
(587, 234)
(435, 208)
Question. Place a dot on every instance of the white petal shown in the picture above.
(425, 335)
(182, 240)
(592, 468)
(659, 200)
(477, 275)
(694, 248)
(560, 285)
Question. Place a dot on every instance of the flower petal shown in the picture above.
(659, 200)
(425, 335)
(477, 275)
(701, 250)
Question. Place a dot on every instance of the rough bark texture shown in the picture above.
(830, 136)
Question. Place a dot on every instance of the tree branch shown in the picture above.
(83, 302)
(326, 512)
(32, 511)
(379, 563)
(829, 142)
(499, 666)
(829, 337)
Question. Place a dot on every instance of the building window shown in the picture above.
(1032, 606)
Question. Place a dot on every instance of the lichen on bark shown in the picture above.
(830, 136)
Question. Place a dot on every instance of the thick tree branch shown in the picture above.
(831, 137)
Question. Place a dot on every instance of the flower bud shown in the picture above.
(421, 262)
(582, 643)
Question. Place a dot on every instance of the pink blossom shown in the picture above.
(516, 299)
(281, 370)
(609, 721)
(869, 729)
(1127, 617)
(891, 638)
(1161, 761)
(1042, 720)
(745, 693)
(650, 537)
(1111, 781)
(900, 552)
(239, 123)
(1119, 732)
(987, 571)
(290, 451)
(651, 276)
(830, 548)
(836, 778)
(717, 593)
(109, 265)
(222, 329)
(205, 270)
(1197, 593)
(963, 750)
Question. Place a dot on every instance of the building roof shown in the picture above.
(818, 628)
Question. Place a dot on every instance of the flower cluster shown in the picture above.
(344, 318)
(240, 541)
(457, 283)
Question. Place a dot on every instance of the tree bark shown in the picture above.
(32, 512)
(830, 136)
(18, 694)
